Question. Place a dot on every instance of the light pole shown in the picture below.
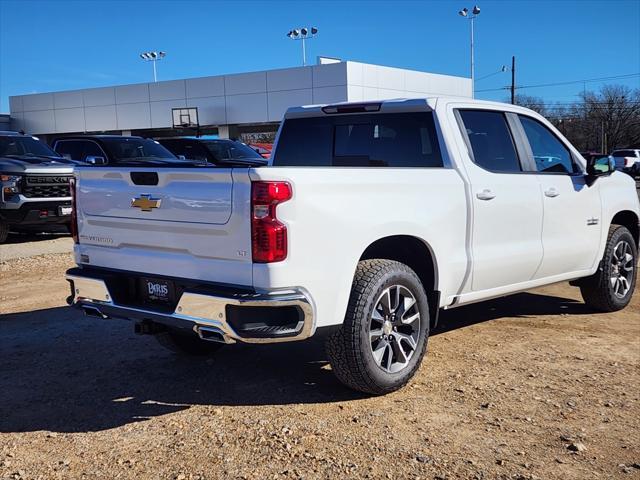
(303, 34)
(474, 13)
(153, 57)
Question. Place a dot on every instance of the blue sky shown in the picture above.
(60, 45)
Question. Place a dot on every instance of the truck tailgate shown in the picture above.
(191, 222)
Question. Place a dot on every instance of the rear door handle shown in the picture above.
(486, 194)
(551, 192)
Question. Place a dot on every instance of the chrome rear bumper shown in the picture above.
(205, 314)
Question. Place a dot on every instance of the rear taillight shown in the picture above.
(268, 235)
(74, 210)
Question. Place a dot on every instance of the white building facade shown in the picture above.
(223, 101)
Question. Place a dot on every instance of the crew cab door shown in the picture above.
(506, 203)
(572, 213)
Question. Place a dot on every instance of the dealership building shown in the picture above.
(227, 105)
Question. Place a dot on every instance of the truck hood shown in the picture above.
(24, 165)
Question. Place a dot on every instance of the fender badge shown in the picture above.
(145, 202)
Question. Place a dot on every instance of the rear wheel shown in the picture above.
(186, 344)
(4, 231)
(611, 287)
(384, 335)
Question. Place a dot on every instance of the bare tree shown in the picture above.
(613, 116)
(534, 103)
(598, 121)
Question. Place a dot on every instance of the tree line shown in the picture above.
(599, 121)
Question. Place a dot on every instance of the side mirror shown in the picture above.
(92, 160)
(599, 167)
(181, 157)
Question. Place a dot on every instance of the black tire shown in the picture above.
(350, 349)
(598, 291)
(187, 344)
(4, 232)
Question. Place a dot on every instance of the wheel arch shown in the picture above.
(630, 220)
(417, 255)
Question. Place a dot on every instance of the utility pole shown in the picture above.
(513, 80)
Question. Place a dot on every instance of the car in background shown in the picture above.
(35, 194)
(109, 150)
(628, 160)
(219, 152)
(588, 156)
(264, 149)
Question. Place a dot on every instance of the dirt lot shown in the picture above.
(508, 390)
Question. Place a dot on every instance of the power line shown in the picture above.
(586, 80)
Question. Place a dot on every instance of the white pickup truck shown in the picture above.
(368, 220)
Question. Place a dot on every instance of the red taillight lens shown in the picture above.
(74, 210)
(268, 235)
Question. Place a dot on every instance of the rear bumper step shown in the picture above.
(265, 317)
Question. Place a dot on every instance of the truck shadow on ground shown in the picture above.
(60, 371)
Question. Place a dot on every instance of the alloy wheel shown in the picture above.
(394, 328)
(622, 266)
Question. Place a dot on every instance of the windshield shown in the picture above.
(133, 148)
(25, 145)
(231, 150)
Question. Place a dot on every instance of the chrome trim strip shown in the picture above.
(205, 310)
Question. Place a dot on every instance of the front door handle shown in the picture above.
(486, 194)
(551, 192)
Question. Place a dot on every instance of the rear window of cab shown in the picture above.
(360, 140)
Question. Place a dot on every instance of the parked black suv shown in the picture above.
(113, 149)
(223, 153)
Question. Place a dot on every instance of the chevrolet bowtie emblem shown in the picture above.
(145, 202)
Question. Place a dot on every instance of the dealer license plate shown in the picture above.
(156, 290)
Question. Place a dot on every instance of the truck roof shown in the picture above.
(394, 104)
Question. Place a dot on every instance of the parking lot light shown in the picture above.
(471, 16)
(153, 57)
(303, 34)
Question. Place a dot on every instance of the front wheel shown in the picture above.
(610, 289)
(384, 336)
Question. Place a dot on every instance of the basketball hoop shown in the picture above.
(185, 117)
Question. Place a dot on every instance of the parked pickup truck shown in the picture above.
(369, 219)
(34, 186)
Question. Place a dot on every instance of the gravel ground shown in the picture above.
(529, 386)
(25, 246)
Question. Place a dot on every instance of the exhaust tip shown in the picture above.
(93, 312)
(211, 334)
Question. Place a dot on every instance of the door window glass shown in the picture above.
(549, 153)
(193, 151)
(491, 141)
(70, 149)
(92, 149)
